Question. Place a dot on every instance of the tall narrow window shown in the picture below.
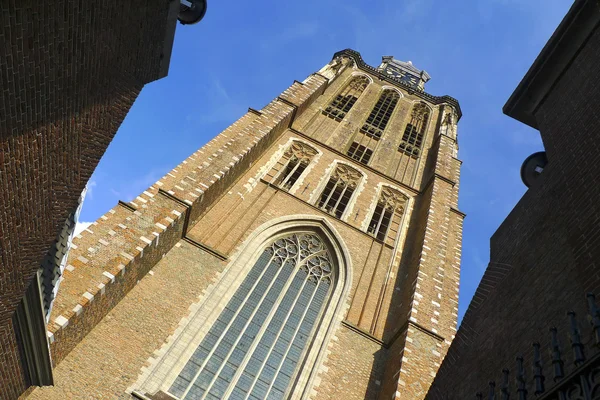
(360, 153)
(254, 349)
(381, 113)
(387, 216)
(339, 190)
(412, 139)
(344, 101)
(292, 165)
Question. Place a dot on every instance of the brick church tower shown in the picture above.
(309, 251)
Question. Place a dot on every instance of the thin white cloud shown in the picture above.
(90, 189)
(81, 226)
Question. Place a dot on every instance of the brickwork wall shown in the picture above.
(70, 72)
(352, 358)
(544, 256)
(230, 221)
(339, 135)
(123, 245)
(223, 193)
(108, 360)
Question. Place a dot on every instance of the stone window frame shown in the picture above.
(365, 131)
(316, 194)
(328, 110)
(170, 359)
(399, 212)
(404, 143)
(269, 168)
(371, 142)
(405, 217)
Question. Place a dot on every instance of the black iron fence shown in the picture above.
(552, 382)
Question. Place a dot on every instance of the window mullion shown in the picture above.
(287, 350)
(229, 325)
(331, 191)
(282, 171)
(261, 331)
(379, 222)
(340, 198)
(226, 328)
(278, 333)
(288, 177)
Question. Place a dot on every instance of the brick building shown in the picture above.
(525, 332)
(69, 72)
(310, 250)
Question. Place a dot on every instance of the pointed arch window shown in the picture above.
(339, 189)
(387, 216)
(291, 166)
(344, 101)
(381, 113)
(255, 348)
(412, 139)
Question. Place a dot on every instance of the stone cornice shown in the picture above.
(355, 55)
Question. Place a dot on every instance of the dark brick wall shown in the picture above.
(544, 255)
(69, 72)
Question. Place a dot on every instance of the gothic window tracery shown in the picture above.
(387, 216)
(381, 113)
(293, 163)
(255, 347)
(412, 139)
(344, 101)
(339, 189)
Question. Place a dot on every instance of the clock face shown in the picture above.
(402, 76)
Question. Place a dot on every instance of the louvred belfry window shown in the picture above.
(339, 189)
(386, 219)
(381, 113)
(257, 345)
(291, 166)
(344, 101)
(412, 139)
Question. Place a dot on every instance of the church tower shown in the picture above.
(309, 251)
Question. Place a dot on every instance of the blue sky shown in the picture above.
(243, 54)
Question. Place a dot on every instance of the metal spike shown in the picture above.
(576, 344)
(557, 362)
(492, 393)
(538, 372)
(505, 390)
(594, 316)
(521, 383)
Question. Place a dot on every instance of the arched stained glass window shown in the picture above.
(255, 347)
(344, 101)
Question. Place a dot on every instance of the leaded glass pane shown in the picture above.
(255, 346)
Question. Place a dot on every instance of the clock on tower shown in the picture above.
(405, 72)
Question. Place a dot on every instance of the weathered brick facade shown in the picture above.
(141, 275)
(544, 256)
(69, 72)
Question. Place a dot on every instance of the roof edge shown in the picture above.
(556, 56)
(355, 55)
